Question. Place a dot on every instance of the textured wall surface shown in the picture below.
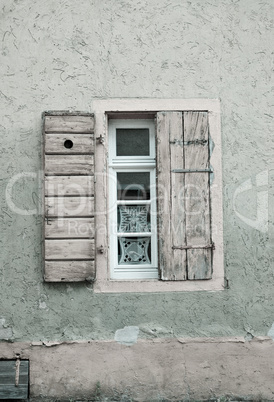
(61, 55)
(150, 370)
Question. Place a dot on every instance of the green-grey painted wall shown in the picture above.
(61, 55)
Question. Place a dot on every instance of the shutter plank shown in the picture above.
(69, 185)
(69, 271)
(196, 140)
(178, 234)
(197, 197)
(163, 196)
(81, 144)
(170, 186)
(69, 206)
(69, 249)
(69, 228)
(69, 164)
(69, 124)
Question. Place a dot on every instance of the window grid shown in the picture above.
(144, 239)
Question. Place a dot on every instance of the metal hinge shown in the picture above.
(193, 142)
(47, 219)
(100, 249)
(212, 246)
(17, 370)
(100, 139)
(191, 170)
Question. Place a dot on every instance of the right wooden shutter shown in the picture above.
(183, 170)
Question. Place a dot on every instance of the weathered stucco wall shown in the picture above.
(153, 370)
(62, 55)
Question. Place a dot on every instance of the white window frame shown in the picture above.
(131, 164)
(107, 108)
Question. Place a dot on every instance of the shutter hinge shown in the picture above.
(100, 249)
(193, 142)
(212, 246)
(191, 170)
(100, 139)
(47, 219)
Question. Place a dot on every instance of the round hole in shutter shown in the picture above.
(68, 144)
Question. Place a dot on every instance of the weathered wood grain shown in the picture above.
(69, 165)
(196, 140)
(69, 249)
(68, 194)
(69, 185)
(197, 196)
(198, 225)
(69, 228)
(170, 186)
(178, 232)
(69, 271)
(81, 144)
(69, 206)
(69, 124)
(200, 264)
(163, 196)
(8, 389)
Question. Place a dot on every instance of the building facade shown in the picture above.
(135, 60)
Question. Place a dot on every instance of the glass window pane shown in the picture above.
(133, 218)
(133, 186)
(132, 142)
(134, 250)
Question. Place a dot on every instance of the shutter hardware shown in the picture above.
(100, 139)
(100, 249)
(194, 247)
(194, 142)
(47, 219)
(191, 170)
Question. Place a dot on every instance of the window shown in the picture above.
(133, 196)
(132, 199)
(172, 200)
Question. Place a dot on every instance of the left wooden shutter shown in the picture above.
(68, 197)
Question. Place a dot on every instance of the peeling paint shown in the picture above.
(127, 336)
(271, 332)
(42, 304)
(6, 333)
(155, 330)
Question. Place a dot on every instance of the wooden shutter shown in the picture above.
(185, 249)
(69, 197)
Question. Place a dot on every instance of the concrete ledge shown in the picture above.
(149, 369)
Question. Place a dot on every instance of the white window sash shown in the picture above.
(133, 164)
